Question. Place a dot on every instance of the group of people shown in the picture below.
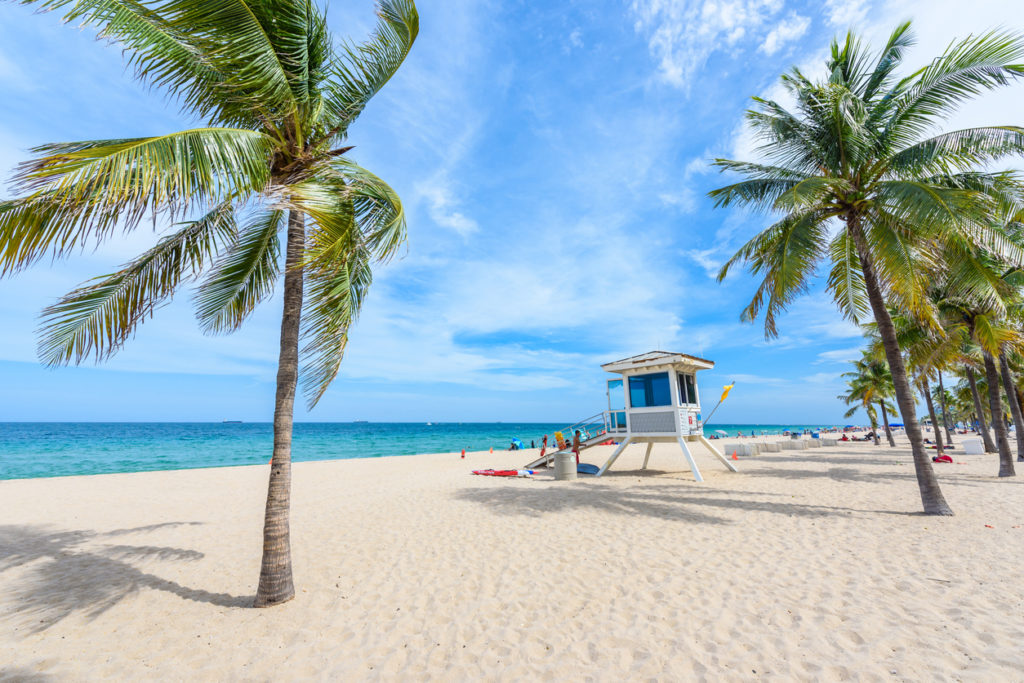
(870, 436)
(563, 444)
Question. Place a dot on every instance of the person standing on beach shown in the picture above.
(576, 446)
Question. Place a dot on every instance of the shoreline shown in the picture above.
(48, 450)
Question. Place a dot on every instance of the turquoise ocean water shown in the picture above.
(51, 449)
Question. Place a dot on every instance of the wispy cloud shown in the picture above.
(574, 40)
(443, 207)
(787, 30)
(839, 355)
(844, 13)
(682, 34)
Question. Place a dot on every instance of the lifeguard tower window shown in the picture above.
(646, 391)
(687, 389)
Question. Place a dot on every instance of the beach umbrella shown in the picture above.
(722, 431)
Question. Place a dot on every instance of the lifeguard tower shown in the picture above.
(655, 400)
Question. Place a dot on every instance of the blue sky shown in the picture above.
(552, 158)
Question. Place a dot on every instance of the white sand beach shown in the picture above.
(807, 565)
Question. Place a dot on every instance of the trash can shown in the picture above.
(565, 466)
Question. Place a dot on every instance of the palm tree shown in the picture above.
(278, 99)
(984, 328)
(872, 379)
(862, 181)
(940, 391)
(1011, 399)
(858, 395)
(979, 409)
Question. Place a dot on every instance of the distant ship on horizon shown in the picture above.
(360, 422)
(231, 422)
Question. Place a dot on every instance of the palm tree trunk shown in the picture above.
(982, 425)
(885, 421)
(996, 405)
(1011, 398)
(931, 494)
(945, 412)
(931, 414)
(276, 584)
(874, 424)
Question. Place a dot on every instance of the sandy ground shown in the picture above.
(809, 565)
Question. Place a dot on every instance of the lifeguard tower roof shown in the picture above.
(653, 359)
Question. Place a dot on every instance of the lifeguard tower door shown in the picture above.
(616, 420)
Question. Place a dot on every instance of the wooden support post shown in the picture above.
(647, 455)
(689, 458)
(718, 454)
(615, 455)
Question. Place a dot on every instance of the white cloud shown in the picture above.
(575, 40)
(839, 355)
(710, 259)
(846, 13)
(683, 199)
(682, 34)
(443, 208)
(787, 30)
(821, 378)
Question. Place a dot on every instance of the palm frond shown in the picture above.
(959, 150)
(99, 317)
(364, 69)
(846, 281)
(343, 196)
(159, 51)
(336, 291)
(891, 56)
(164, 173)
(243, 277)
(82, 192)
(784, 255)
(964, 70)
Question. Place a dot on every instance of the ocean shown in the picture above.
(53, 449)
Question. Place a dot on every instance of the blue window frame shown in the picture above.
(646, 391)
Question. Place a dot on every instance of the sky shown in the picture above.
(553, 162)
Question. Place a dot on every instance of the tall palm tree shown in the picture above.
(861, 179)
(278, 98)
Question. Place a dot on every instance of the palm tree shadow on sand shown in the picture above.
(21, 675)
(693, 504)
(69, 572)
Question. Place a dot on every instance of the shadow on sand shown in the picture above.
(21, 675)
(74, 571)
(687, 503)
(844, 472)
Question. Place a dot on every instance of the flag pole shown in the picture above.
(726, 393)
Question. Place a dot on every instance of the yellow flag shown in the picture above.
(726, 389)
